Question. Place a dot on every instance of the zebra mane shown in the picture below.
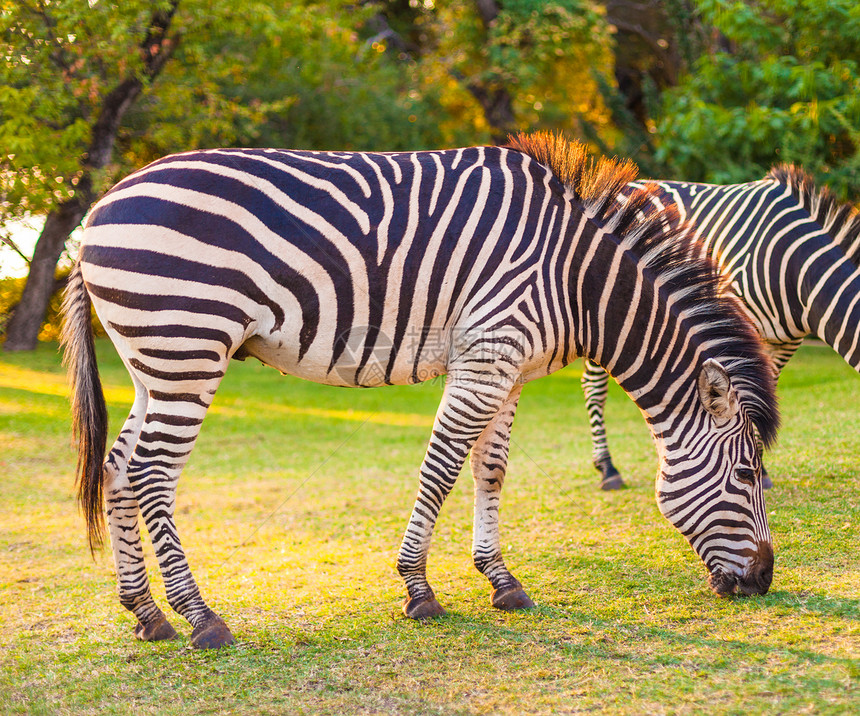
(668, 249)
(596, 183)
(839, 219)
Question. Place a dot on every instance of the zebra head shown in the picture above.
(709, 487)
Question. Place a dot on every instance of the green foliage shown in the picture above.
(543, 53)
(285, 74)
(59, 60)
(786, 90)
(344, 91)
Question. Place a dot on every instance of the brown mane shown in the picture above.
(839, 219)
(591, 180)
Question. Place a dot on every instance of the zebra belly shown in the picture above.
(360, 362)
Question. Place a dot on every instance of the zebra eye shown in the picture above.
(745, 474)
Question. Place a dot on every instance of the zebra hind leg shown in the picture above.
(489, 459)
(595, 383)
(470, 401)
(170, 428)
(122, 518)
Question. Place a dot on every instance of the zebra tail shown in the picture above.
(89, 412)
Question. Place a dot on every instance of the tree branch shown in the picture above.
(488, 10)
(639, 31)
(6, 239)
(58, 57)
(156, 48)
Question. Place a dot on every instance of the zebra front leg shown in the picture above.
(468, 404)
(489, 459)
(595, 382)
(122, 518)
(169, 432)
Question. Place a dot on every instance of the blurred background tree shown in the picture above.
(70, 72)
(703, 90)
(779, 81)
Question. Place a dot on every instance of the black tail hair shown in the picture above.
(89, 412)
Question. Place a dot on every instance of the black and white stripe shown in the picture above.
(491, 265)
(789, 251)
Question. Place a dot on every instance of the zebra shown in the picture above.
(492, 265)
(788, 250)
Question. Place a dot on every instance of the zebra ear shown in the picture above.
(717, 393)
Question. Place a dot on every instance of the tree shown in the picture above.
(533, 64)
(342, 80)
(62, 104)
(87, 94)
(501, 66)
(780, 83)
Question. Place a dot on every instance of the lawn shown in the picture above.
(292, 509)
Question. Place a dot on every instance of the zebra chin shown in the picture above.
(756, 579)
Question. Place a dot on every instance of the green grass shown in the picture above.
(292, 509)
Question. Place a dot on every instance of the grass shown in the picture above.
(291, 511)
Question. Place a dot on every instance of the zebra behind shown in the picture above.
(789, 251)
(494, 266)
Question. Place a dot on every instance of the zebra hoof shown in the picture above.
(212, 634)
(512, 599)
(157, 630)
(612, 482)
(611, 477)
(426, 608)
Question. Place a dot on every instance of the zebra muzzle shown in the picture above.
(756, 580)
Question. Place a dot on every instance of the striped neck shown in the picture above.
(631, 324)
(651, 313)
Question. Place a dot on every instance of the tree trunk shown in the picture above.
(498, 110)
(27, 318)
(495, 100)
(648, 48)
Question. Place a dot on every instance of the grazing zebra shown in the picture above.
(789, 251)
(491, 265)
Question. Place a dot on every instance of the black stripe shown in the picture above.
(152, 263)
(173, 330)
(176, 375)
(180, 355)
